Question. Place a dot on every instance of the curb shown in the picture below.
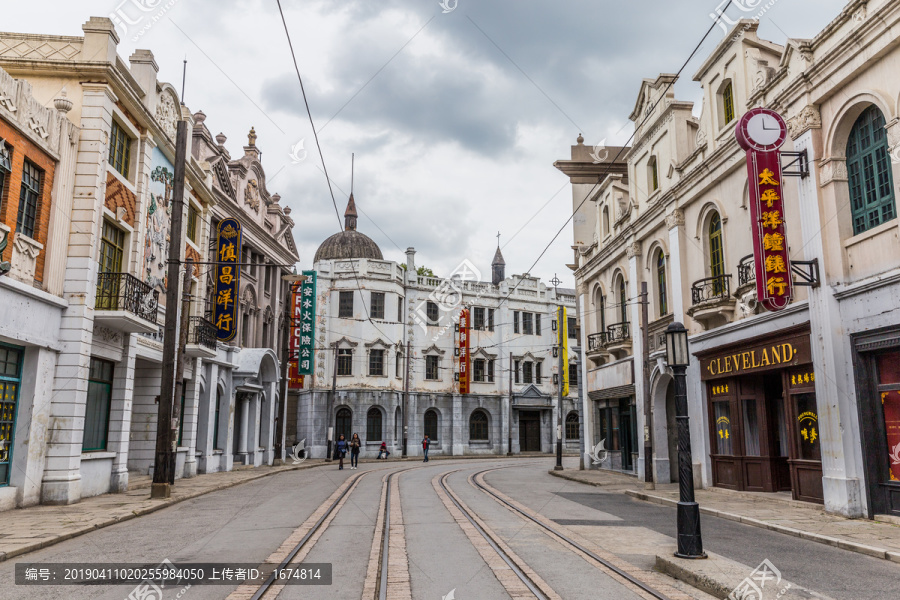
(144, 511)
(564, 475)
(872, 551)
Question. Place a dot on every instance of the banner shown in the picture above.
(302, 343)
(228, 271)
(464, 351)
(562, 330)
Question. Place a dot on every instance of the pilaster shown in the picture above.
(637, 343)
(191, 414)
(120, 414)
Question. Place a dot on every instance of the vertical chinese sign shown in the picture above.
(302, 343)
(563, 333)
(761, 132)
(295, 381)
(464, 351)
(228, 251)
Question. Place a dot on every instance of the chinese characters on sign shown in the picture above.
(562, 332)
(761, 132)
(228, 252)
(303, 328)
(464, 351)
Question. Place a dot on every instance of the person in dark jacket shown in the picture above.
(340, 451)
(425, 445)
(383, 453)
(355, 445)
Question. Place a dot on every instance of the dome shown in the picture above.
(348, 243)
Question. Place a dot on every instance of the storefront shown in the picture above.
(615, 422)
(877, 366)
(763, 419)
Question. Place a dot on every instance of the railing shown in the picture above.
(746, 271)
(202, 333)
(123, 291)
(618, 332)
(595, 342)
(711, 288)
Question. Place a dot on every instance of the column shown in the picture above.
(206, 419)
(585, 408)
(62, 476)
(120, 414)
(460, 427)
(191, 417)
(243, 404)
(634, 252)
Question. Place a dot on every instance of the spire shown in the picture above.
(498, 266)
(350, 215)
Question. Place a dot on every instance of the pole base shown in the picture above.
(690, 543)
(160, 490)
(558, 468)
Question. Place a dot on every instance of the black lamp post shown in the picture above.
(690, 544)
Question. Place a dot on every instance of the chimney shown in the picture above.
(411, 276)
(100, 40)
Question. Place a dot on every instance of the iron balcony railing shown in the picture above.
(711, 289)
(202, 333)
(595, 342)
(124, 291)
(746, 271)
(618, 332)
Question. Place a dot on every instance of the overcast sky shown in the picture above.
(455, 118)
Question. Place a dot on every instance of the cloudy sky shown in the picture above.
(455, 118)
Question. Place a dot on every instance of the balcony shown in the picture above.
(125, 303)
(712, 303)
(201, 339)
(596, 351)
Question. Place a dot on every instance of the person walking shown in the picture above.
(340, 450)
(354, 451)
(425, 444)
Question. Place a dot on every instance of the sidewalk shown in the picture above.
(40, 526)
(768, 511)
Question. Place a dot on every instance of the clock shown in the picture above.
(762, 130)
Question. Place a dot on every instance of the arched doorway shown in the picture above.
(343, 422)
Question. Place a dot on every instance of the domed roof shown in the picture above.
(348, 243)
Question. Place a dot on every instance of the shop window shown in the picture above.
(478, 426)
(345, 305)
(724, 434)
(572, 430)
(96, 413)
(751, 428)
(119, 149)
(342, 423)
(376, 363)
(888, 366)
(193, 225)
(29, 199)
(10, 380)
(431, 424)
(661, 298)
(432, 368)
(377, 309)
(345, 361)
(373, 425)
(871, 185)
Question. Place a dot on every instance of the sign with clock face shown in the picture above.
(761, 132)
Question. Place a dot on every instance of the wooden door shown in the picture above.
(529, 431)
(806, 447)
(724, 434)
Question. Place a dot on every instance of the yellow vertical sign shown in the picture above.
(562, 330)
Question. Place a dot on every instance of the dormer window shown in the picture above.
(727, 100)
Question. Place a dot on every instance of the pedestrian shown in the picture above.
(354, 451)
(425, 444)
(383, 452)
(340, 450)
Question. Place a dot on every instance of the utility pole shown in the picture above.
(329, 428)
(165, 451)
(509, 451)
(405, 410)
(183, 327)
(560, 332)
(645, 374)
(281, 401)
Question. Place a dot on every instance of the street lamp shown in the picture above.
(690, 544)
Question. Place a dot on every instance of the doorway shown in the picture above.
(529, 431)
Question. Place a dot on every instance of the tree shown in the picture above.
(422, 271)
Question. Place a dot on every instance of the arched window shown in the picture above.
(602, 312)
(572, 429)
(599, 307)
(652, 174)
(431, 424)
(478, 426)
(661, 284)
(623, 313)
(342, 424)
(605, 221)
(869, 169)
(397, 425)
(716, 254)
(373, 425)
(727, 104)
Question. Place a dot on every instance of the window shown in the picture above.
(431, 368)
(622, 308)
(345, 305)
(572, 430)
(431, 424)
(119, 149)
(5, 169)
(268, 281)
(265, 334)
(605, 221)
(872, 199)
(573, 375)
(193, 229)
(112, 248)
(601, 311)
(516, 371)
(490, 319)
(373, 425)
(431, 310)
(572, 327)
(343, 422)
(96, 412)
(515, 321)
(538, 368)
(478, 318)
(652, 174)
(399, 309)
(29, 198)
(181, 415)
(526, 371)
(490, 370)
(376, 363)
(216, 420)
(478, 426)
(537, 324)
(728, 103)
(716, 253)
(478, 369)
(527, 323)
(399, 363)
(345, 361)
(377, 310)
(10, 380)
(661, 284)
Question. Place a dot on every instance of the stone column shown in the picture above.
(206, 419)
(587, 422)
(191, 417)
(459, 427)
(120, 414)
(62, 476)
(635, 276)
(242, 404)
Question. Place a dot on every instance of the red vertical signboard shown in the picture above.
(761, 132)
(295, 379)
(464, 351)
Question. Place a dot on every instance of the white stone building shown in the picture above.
(369, 309)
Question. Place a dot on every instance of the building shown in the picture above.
(100, 197)
(379, 322)
(803, 399)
